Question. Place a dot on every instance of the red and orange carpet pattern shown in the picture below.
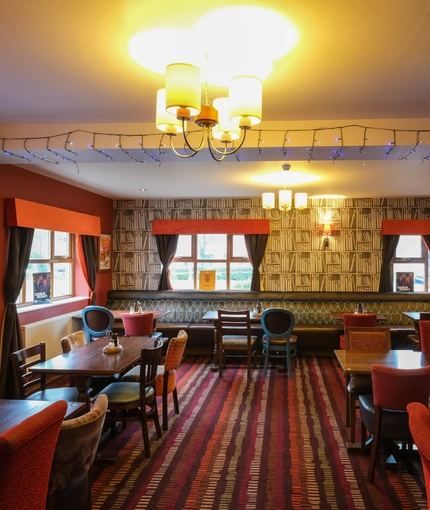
(273, 443)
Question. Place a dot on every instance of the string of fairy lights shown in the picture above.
(69, 155)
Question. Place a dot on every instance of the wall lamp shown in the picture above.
(327, 231)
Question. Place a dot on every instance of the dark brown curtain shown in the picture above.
(426, 240)
(20, 240)
(88, 259)
(389, 245)
(166, 246)
(256, 246)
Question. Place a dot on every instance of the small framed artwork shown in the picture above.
(105, 251)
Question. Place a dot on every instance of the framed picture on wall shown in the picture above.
(105, 252)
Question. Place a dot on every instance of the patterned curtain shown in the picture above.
(20, 241)
(256, 247)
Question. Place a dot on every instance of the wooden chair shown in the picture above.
(371, 339)
(234, 335)
(419, 423)
(26, 453)
(32, 386)
(384, 413)
(166, 374)
(97, 321)
(69, 482)
(278, 342)
(137, 400)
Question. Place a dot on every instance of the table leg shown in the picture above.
(215, 354)
(83, 384)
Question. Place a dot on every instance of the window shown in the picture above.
(224, 253)
(411, 257)
(51, 252)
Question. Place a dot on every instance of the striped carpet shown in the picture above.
(273, 443)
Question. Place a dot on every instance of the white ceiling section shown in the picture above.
(357, 81)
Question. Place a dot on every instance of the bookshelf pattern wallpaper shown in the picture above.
(295, 259)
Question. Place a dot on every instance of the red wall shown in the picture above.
(16, 182)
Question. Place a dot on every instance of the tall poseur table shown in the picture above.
(90, 360)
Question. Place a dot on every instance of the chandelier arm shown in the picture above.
(212, 153)
(187, 143)
(232, 151)
(183, 156)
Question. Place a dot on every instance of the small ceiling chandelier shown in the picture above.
(285, 201)
(189, 58)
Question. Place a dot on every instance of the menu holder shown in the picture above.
(112, 349)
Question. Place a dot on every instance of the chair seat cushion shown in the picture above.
(125, 392)
(360, 384)
(53, 394)
(280, 341)
(132, 375)
(237, 340)
(395, 424)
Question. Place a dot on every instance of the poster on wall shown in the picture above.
(207, 279)
(42, 288)
(104, 252)
(404, 282)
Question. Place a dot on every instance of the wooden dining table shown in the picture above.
(13, 412)
(89, 360)
(361, 361)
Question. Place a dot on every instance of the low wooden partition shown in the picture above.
(317, 329)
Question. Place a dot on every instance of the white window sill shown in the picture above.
(53, 304)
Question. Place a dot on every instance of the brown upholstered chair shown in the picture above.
(419, 423)
(166, 374)
(32, 386)
(363, 320)
(69, 483)
(137, 400)
(26, 453)
(370, 339)
(234, 335)
(384, 413)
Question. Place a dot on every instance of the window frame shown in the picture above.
(424, 259)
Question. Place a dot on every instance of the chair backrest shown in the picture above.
(234, 322)
(138, 324)
(277, 323)
(419, 424)
(368, 339)
(395, 388)
(149, 361)
(359, 319)
(77, 446)
(97, 320)
(72, 341)
(175, 351)
(22, 361)
(26, 453)
(425, 335)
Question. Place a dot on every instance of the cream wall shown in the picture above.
(295, 259)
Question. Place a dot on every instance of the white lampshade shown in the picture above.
(245, 100)
(164, 121)
(183, 88)
(301, 200)
(285, 198)
(268, 200)
(224, 130)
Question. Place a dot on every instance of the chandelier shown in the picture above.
(190, 58)
(285, 198)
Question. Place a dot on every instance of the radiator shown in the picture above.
(50, 331)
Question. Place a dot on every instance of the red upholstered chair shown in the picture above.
(26, 453)
(425, 335)
(419, 423)
(365, 320)
(138, 324)
(384, 413)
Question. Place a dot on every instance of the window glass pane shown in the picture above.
(62, 279)
(41, 247)
(211, 246)
(409, 247)
(182, 275)
(239, 247)
(221, 273)
(240, 276)
(417, 269)
(184, 247)
(61, 244)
